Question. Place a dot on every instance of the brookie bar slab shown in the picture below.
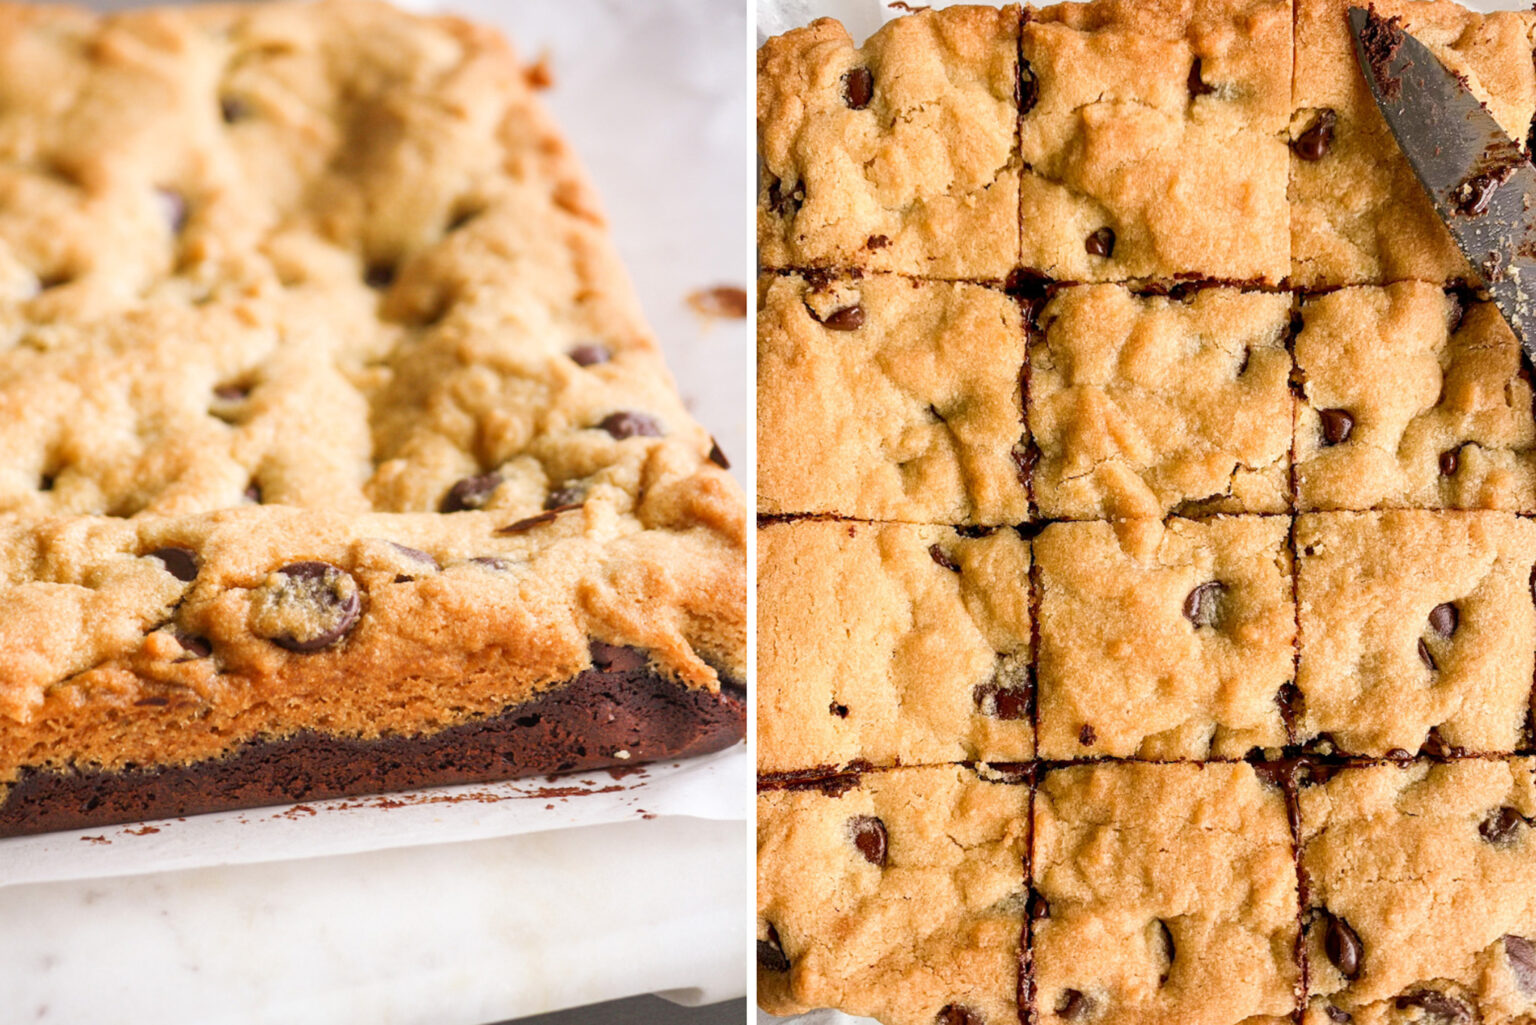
(334, 452)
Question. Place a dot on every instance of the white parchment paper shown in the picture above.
(654, 98)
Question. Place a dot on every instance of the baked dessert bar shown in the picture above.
(882, 397)
(335, 455)
(1162, 894)
(1131, 112)
(1358, 215)
(901, 898)
(1141, 405)
(890, 644)
(1396, 660)
(1164, 640)
(900, 155)
(1421, 892)
(1412, 396)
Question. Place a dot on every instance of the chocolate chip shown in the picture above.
(233, 109)
(1444, 618)
(858, 88)
(1521, 954)
(1029, 88)
(415, 554)
(589, 354)
(942, 558)
(47, 481)
(1442, 1006)
(1166, 950)
(1313, 143)
(565, 497)
(1025, 459)
(1197, 85)
(527, 523)
(1026, 284)
(770, 953)
(1242, 367)
(868, 835)
(718, 457)
(181, 563)
(1073, 1004)
(877, 242)
(199, 647)
(1337, 1014)
(1426, 657)
(626, 424)
(307, 606)
(841, 711)
(1450, 459)
(1038, 906)
(1000, 702)
(849, 318)
(1101, 243)
(615, 658)
(471, 493)
(231, 392)
(1087, 736)
(1337, 423)
(379, 275)
(1342, 945)
(958, 1014)
(492, 562)
(173, 208)
(1203, 605)
(785, 203)
(1501, 825)
(253, 493)
(1435, 745)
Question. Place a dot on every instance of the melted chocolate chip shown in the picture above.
(180, 563)
(527, 523)
(1444, 618)
(1087, 736)
(1101, 243)
(770, 953)
(1028, 88)
(627, 424)
(718, 457)
(1039, 906)
(415, 555)
(1426, 657)
(307, 606)
(1443, 1007)
(1342, 945)
(1337, 425)
(1435, 745)
(565, 497)
(1008, 703)
(379, 275)
(1197, 83)
(1025, 459)
(1337, 1014)
(471, 493)
(1313, 143)
(1203, 605)
(1450, 459)
(858, 88)
(869, 837)
(615, 658)
(1027, 284)
(589, 354)
(942, 558)
(782, 202)
(958, 1014)
(232, 392)
(849, 318)
(1072, 1005)
(1521, 954)
(199, 647)
(1501, 825)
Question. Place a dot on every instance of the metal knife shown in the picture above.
(1479, 179)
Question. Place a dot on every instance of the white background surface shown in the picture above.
(654, 97)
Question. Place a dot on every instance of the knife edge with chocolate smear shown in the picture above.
(1478, 178)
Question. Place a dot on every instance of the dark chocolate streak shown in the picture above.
(577, 725)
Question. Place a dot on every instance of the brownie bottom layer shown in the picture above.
(581, 724)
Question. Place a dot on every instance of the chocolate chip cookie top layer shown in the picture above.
(300, 305)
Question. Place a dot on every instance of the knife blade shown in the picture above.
(1479, 180)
